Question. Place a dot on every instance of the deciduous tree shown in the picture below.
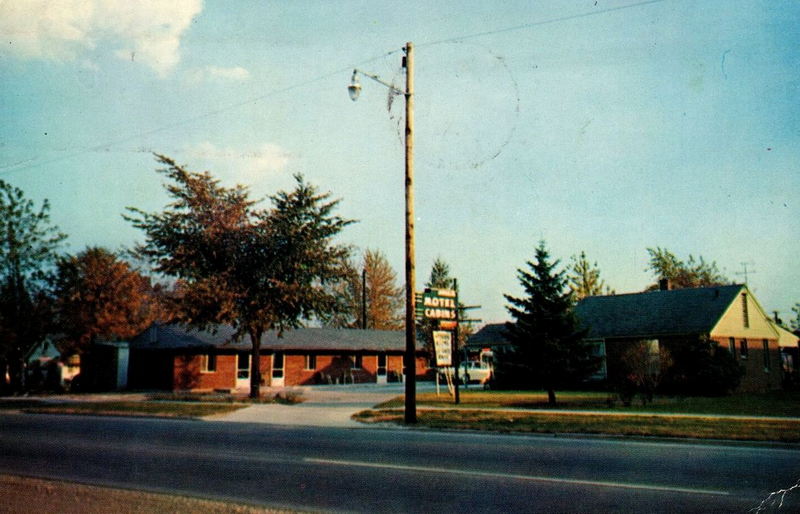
(584, 278)
(384, 298)
(256, 269)
(692, 273)
(28, 248)
(549, 350)
(100, 296)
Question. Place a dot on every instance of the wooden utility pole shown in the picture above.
(411, 329)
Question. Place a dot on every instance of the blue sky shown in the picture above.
(600, 126)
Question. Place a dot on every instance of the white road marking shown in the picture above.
(512, 476)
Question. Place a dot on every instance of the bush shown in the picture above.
(701, 367)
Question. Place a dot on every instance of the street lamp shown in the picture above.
(354, 89)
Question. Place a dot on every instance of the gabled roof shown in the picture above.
(492, 334)
(175, 337)
(656, 313)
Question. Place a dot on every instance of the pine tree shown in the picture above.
(549, 350)
(440, 275)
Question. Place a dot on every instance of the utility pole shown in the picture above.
(364, 298)
(411, 329)
(410, 356)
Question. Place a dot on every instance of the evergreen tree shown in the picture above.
(549, 350)
(440, 275)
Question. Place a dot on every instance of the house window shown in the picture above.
(732, 346)
(311, 361)
(765, 345)
(745, 314)
(743, 348)
(208, 363)
(357, 360)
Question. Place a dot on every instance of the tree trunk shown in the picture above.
(551, 397)
(255, 364)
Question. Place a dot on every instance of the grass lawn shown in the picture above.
(632, 425)
(503, 411)
(138, 408)
(165, 405)
(775, 403)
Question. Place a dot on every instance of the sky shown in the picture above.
(603, 126)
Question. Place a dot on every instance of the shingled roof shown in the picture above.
(176, 337)
(656, 313)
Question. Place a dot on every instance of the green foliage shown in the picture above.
(701, 367)
(692, 273)
(255, 269)
(549, 350)
(28, 249)
(639, 369)
(795, 322)
(584, 278)
(440, 277)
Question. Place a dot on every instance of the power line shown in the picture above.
(539, 23)
(14, 167)
(33, 163)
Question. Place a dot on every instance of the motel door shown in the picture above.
(242, 370)
(277, 370)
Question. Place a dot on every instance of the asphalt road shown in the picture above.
(386, 470)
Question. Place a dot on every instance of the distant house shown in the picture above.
(789, 344)
(174, 357)
(728, 315)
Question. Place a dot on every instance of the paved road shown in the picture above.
(382, 470)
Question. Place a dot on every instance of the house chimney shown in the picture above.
(664, 285)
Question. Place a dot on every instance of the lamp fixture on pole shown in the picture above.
(409, 359)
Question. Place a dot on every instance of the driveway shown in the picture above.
(324, 406)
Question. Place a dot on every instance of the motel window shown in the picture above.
(357, 360)
(745, 314)
(381, 364)
(311, 361)
(765, 345)
(743, 348)
(732, 346)
(277, 365)
(243, 366)
(208, 363)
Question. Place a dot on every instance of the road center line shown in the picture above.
(512, 476)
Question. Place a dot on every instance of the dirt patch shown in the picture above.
(33, 495)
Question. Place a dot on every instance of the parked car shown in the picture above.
(475, 372)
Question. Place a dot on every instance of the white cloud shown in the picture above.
(148, 31)
(236, 73)
(238, 166)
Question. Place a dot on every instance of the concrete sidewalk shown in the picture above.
(328, 406)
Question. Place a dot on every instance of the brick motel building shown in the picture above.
(173, 357)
